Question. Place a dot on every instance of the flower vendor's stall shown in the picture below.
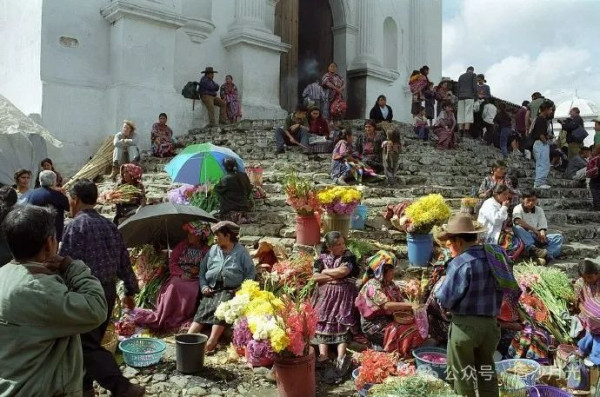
(417, 221)
(275, 330)
(547, 296)
(339, 202)
(301, 196)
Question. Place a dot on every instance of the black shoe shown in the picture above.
(280, 150)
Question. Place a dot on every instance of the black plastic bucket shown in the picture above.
(189, 352)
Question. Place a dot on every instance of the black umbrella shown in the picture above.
(161, 223)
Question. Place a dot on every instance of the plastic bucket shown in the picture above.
(296, 375)
(337, 223)
(359, 217)
(420, 248)
(189, 352)
(308, 230)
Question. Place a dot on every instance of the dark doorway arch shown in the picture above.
(307, 26)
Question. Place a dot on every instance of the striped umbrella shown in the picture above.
(201, 163)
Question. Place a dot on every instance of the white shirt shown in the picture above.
(535, 218)
(384, 111)
(489, 112)
(492, 215)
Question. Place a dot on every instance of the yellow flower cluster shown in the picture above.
(346, 195)
(428, 210)
(250, 288)
(268, 328)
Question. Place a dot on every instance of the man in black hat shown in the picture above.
(208, 94)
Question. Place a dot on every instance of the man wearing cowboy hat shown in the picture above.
(472, 292)
(208, 94)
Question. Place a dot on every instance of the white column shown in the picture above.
(416, 39)
(254, 50)
(366, 48)
(250, 13)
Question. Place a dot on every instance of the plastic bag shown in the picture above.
(422, 321)
(578, 374)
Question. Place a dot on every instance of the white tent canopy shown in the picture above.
(22, 142)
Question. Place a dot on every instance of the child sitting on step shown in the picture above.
(391, 154)
(420, 124)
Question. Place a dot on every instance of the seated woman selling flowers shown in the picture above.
(178, 296)
(378, 299)
(222, 271)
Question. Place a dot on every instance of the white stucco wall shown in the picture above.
(396, 91)
(20, 32)
(85, 72)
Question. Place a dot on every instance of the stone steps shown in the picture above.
(454, 174)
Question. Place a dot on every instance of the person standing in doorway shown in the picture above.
(96, 241)
(208, 94)
(467, 92)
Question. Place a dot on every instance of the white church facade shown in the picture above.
(81, 67)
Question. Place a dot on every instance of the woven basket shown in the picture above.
(404, 317)
(110, 341)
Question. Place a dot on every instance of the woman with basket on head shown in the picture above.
(385, 319)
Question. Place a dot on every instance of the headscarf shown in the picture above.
(232, 227)
(376, 264)
(134, 170)
(198, 228)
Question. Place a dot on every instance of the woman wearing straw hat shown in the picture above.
(476, 281)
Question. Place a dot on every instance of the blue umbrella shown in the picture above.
(201, 163)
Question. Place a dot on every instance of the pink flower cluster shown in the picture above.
(241, 333)
(301, 326)
(337, 207)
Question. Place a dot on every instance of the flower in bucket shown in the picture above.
(286, 324)
(300, 194)
(339, 199)
(425, 213)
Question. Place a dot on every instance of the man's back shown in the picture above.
(45, 196)
(41, 317)
(97, 241)
(467, 86)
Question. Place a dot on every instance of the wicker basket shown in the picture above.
(110, 341)
(404, 317)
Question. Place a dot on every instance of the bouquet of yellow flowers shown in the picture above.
(339, 199)
(425, 213)
(282, 326)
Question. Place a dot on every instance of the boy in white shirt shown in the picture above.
(531, 226)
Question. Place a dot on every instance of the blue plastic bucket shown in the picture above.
(420, 248)
(359, 217)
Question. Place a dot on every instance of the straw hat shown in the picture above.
(460, 224)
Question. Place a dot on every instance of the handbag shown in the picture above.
(579, 134)
(338, 106)
(592, 171)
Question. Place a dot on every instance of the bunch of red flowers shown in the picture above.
(375, 367)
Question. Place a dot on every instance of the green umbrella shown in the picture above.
(201, 163)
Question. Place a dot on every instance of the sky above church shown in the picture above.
(523, 46)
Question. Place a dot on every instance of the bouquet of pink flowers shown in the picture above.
(300, 194)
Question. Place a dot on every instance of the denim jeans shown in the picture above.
(541, 154)
(504, 135)
(422, 132)
(301, 135)
(554, 245)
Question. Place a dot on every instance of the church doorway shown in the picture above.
(307, 26)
